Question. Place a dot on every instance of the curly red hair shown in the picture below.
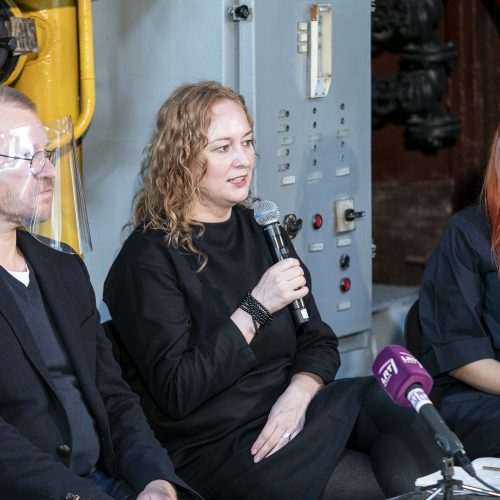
(490, 195)
(180, 136)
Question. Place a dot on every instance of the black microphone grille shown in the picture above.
(266, 212)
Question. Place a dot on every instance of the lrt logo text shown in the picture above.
(387, 370)
(409, 360)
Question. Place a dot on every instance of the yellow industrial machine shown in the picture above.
(46, 51)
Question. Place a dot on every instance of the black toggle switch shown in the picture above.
(350, 214)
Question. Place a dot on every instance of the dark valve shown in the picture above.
(242, 11)
(350, 214)
(239, 13)
(292, 225)
(9, 43)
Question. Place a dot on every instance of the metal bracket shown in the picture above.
(24, 31)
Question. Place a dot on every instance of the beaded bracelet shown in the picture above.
(259, 314)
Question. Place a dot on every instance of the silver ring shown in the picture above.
(286, 435)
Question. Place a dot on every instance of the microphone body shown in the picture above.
(407, 383)
(447, 440)
(266, 214)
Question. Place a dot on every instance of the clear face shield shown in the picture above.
(40, 185)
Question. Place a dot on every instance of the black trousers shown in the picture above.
(115, 488)
(389, 448)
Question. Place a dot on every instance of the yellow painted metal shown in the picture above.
(87, 76)
(64, 31)
(51, 77)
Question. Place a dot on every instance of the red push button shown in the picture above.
(317, 221)
(345, 284)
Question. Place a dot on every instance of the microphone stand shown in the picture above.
(451, 447)
(444, 487)
(448, 484)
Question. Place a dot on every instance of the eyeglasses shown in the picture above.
(37, 161)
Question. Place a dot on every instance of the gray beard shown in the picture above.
(17, 212)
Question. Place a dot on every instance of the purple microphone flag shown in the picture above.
(396, 369)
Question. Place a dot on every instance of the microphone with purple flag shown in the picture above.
(407, 383)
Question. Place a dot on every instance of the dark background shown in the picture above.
(416, 192)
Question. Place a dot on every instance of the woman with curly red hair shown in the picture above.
(459, 312)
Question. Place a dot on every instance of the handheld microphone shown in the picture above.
(267, 215)
(407, 383)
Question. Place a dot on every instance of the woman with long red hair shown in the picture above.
(459, 312)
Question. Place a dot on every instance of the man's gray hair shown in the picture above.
(9, 95)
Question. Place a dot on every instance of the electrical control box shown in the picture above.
(304, 70)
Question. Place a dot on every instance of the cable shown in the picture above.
(435, 494)
(480, 490)
(477, 478)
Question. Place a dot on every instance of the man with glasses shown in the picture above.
(70, 428)
(37, 161)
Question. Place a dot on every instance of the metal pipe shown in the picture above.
(87, 75)
(50, 77)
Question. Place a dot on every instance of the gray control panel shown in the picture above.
(304, 69)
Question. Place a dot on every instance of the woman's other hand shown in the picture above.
(287, 415)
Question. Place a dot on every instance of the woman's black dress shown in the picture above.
(206, 392)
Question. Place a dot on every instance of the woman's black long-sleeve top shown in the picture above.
(206, 391)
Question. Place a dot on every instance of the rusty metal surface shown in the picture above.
(414, 193)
